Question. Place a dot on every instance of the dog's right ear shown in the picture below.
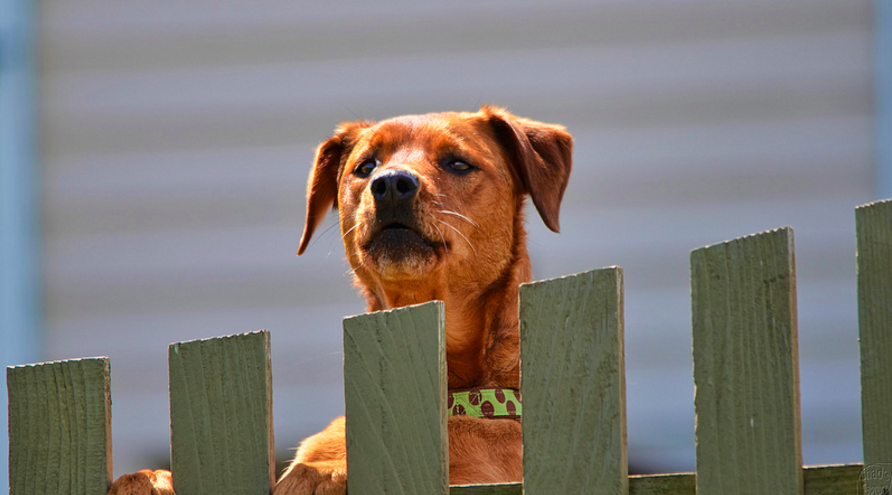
(322, 187)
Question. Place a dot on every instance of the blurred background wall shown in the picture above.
(175, 138)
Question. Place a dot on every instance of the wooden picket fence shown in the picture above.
(746, 375)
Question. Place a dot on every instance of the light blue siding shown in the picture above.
(20, 320)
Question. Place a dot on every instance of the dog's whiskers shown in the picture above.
(351, 229)
(322, 235)
(442, 238)
(462, 235)
(352, 271)
(459, 215)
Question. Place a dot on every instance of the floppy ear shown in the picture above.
(542, 155)
(322, 188)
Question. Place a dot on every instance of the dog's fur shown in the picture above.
(431, 208)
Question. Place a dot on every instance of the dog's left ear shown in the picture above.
(543, 156)
(322, 188)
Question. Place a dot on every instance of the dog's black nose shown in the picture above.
(394, 186)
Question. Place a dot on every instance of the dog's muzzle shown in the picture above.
(396, 234)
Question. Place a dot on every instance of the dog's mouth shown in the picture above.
(396, 226)
(399, 242)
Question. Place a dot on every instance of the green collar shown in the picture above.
(485, 403)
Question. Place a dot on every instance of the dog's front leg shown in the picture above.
(320, 465)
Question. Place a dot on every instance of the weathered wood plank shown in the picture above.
(573, 384)
(60, 428)
(873, 224)
(395, 392)
(497, 489)
(819, 480)
(221, 415)
(746, 366)
(832, 480)
(663, 484)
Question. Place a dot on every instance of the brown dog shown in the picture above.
(431, 208)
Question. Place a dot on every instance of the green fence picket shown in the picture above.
(874, 232)
(573, 384)
(746, 366)
(221, 415)
(60, 428)
(395, 393)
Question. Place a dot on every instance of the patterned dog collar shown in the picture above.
(485, 403)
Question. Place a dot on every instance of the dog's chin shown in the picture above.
(401, 253)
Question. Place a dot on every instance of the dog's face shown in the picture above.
(436, 195)
(423, 192)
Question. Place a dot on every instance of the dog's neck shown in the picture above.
(482, 334)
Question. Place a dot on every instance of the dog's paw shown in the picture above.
(314, 478)
(145, 482)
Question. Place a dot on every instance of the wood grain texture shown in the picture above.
(832, 480)
(663, 484)
(819, 480)
(221, 415)
(573, 384)
(497, 489)
(60, 428)
(746, 366)
(395, 393)
(873, 224)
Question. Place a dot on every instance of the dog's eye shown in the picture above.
(459, 166)
(365, 168)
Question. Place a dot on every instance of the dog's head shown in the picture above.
(436, 194)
